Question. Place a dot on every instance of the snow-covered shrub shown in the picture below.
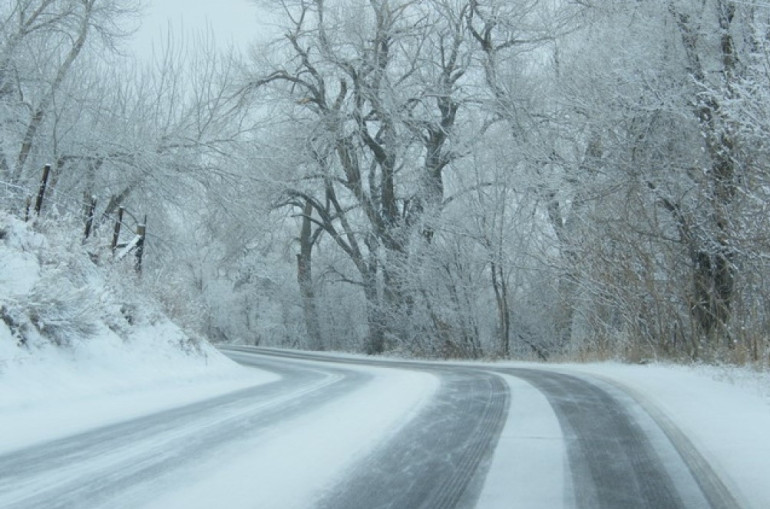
(60, 311)
(52, 291)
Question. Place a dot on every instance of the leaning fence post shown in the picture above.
(140, 232)
(41, 190)
(89, 217)
(116, 231)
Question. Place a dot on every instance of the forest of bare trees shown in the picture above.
(545, 179)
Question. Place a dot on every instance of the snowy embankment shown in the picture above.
(79, 350)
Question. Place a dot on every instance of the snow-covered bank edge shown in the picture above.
(60, 392)
(83, 344)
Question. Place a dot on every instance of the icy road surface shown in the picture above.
(355, 433)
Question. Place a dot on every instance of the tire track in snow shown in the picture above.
(439, 458)
(91, 468)
(713, 488)
(612, 461)
(622, 452)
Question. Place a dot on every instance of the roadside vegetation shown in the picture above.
(448, 178)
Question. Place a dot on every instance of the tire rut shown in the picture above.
(612, 462)
(432, 461)
(113, 460)
(713, 488)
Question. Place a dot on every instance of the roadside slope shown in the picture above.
(83, 345)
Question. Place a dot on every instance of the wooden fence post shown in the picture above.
(41, 190)
(89, 217)
(140, 231)
(116, 231)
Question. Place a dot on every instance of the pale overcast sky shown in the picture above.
(232, 21)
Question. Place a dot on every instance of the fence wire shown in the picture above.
(70, 209)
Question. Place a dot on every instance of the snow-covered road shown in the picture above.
(617, 454)
(272, 445)
(345, 432)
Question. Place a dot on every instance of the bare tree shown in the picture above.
(42, 40)
(380, 100)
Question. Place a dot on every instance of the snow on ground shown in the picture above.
(290, 465)
(724, 411)
(53, 392)
(532, 431)
(79, 351)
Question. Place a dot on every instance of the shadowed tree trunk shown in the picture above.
(307, 239)
(710, 251)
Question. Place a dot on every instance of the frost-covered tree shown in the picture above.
(659, 204)
(41, 44)
(376, 89)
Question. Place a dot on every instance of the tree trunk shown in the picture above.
(375, 341)
(305, 281)
(712, 256)
(503, 313)
(713, 282)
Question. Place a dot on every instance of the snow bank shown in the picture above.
(81, 347)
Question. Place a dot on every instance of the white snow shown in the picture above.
(724, 411)
(528, 470)
(50, 393)
(19, 265)
(120, 369)
(290, 465)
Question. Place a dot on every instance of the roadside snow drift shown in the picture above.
(80, 346)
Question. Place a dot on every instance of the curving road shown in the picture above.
(95, 468)
(434, 460)
(618, 455)
(612, 448)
